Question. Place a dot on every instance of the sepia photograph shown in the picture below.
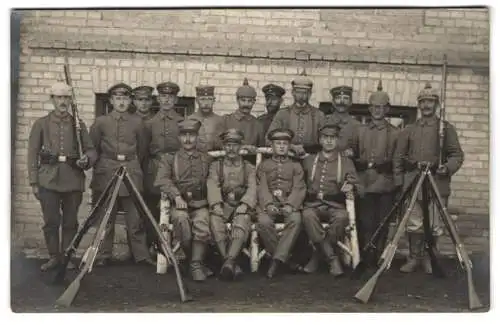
(250, 160)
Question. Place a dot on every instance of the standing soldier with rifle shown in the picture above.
(325, 175)
(232, 195)
(342, 102)
(429, 141)
(211, 123)
(280, 191)
(274, 99)
(374, 146)
(303, 119)
(162, 134)
(182, 176)
(120, 139)
(59, 150)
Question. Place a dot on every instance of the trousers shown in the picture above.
(337, 218)
(373, 207)
(191, 224)
(59, 209)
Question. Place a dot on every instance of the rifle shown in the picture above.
(70, 294)
(74, 109)
(366, 291)
(71, 249)
(442, 114)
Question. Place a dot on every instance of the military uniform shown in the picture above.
(374, 147)
(211, 124)
(120, 140)
(325, 202)
(348, 125)
(142, 92)
(53, 170)
(266, 119)
(162, 133)
(247, 123)
(303, 121)
(231, 183)
(184, 174)
(280, 186)
(419, 142)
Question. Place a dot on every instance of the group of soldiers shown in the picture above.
(315, 159)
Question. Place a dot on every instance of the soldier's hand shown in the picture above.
(242, 209)
(348, 153)
(35, 190)
(272, 209)
(288, 209)
(180, 203)
(423, 164)
(347, 187)
(83, 162)
(442, 170)
(218, 210)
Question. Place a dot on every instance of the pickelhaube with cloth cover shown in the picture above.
(60, 89)
(302, 81)
(428, 93)
(246, 90)
(379, 97)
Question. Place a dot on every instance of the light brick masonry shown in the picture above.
(403, 48)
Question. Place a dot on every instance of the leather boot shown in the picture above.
(414, 248)
(197, 269)
(227, 270)
(426, 261)
(273, 269)
(335, 268)
(52, 263)
(312, 265)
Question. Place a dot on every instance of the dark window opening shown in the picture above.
(185, 105)
(400, 115)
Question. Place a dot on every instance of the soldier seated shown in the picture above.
(280, 191)
(232, 197)
(325, 199)
(182, 176)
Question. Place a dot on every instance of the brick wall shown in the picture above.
(403, 48)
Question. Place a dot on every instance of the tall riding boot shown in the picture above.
(335, 268)
(198, 253)
(414, 249)
(426, 261)
(231, 270)
(313, 264)
(186, 248)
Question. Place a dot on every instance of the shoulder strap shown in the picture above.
(313, 169)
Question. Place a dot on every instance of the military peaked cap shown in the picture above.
(273, 90)
(168, 88)
(330, 129)
(232, 135)
(246, 90)
(205, 91)
(120, 89)
(189, 126)
(281, 134)
(60, 89)
(142, 91)
(428, 93)
(341, 90)
(379, 97)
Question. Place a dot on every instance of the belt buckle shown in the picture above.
(370, 164)
(231, 196)
(120, 157)
(61, 159)
(277, 193)
(320, 195)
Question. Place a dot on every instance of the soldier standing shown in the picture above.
(418, 146)
(243, 120)
(327, 184)
(56, 171)
(182, 176)
(232, 196)
(342, 102)
(143, 101)
(274, 99)
(374, 147)
(119, 138)
(211, 123)
(163, 137)
(302, 118)
(280, 192)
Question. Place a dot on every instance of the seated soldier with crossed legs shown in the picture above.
(280, 191)
(232, 196)
(182, 176)
(325, 200)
